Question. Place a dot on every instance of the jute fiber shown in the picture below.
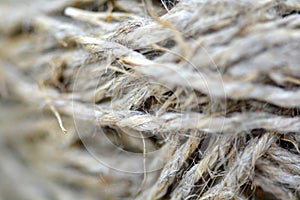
(131, 99)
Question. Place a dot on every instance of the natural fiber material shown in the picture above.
(188, 99)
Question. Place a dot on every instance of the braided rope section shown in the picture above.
(183, 99)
